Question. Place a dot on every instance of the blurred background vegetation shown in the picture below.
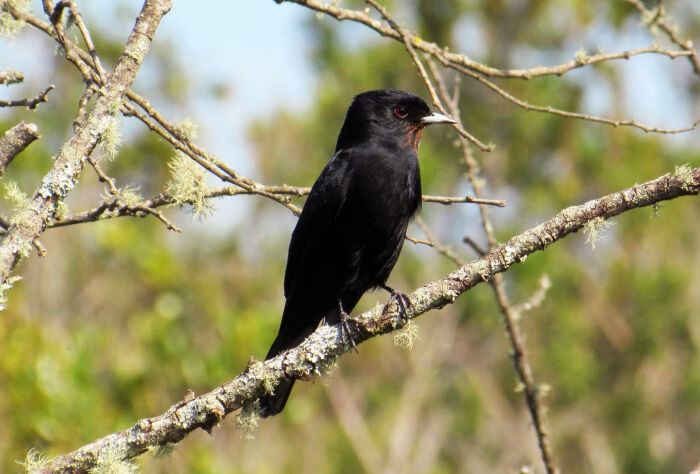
(122, 317)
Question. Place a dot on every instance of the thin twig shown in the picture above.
(30, 103)
(159, 215)
(476, 247)
(78, 19)
(418, 241)
(537, 297)
(454, 200)
(103, 178)
(82, 105)
(659, 19)
(563, 113)
(441, 248)
(331, 9)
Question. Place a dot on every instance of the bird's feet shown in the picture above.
(346, 334)
(401, 299)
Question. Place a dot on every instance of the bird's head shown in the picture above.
(387, 113)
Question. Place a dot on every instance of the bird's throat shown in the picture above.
(413, 134)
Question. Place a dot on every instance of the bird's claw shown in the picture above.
(346, 334)
(402, 302)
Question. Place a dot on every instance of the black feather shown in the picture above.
(353, 225)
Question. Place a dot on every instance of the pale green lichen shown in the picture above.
(593, 229)
(8, 25)
(188, 185)
(130, 196)
(17, 198)
(15, 195)
(117, 466)
(188, 128)
(407, 337)
(326, 366)
(685, 173)
(34, 461)
(581, 56)
(268, 383)
(247, 420)
(111, 139)
(113, 461)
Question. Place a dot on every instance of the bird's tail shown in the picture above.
(290, 335)
(272, 404)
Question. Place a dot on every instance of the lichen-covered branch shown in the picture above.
(14, 141)
(63, 175)
(11, 77)
(318, 352)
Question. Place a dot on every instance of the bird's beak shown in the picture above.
(437, 118)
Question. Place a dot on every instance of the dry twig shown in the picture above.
(658, 18)
(331, 9)
(29, 103)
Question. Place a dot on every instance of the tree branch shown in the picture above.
(318, 352)
(14, 141)
(331, 9)
(108, 210)
(462, 64)
(510, 319)
(11, 77)
(29, 103)
(62, 176)
(658, 18)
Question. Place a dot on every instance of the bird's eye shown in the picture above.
(401, 111)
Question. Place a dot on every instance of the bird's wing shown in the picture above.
(319, 238)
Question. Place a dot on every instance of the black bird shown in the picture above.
(353, 225)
